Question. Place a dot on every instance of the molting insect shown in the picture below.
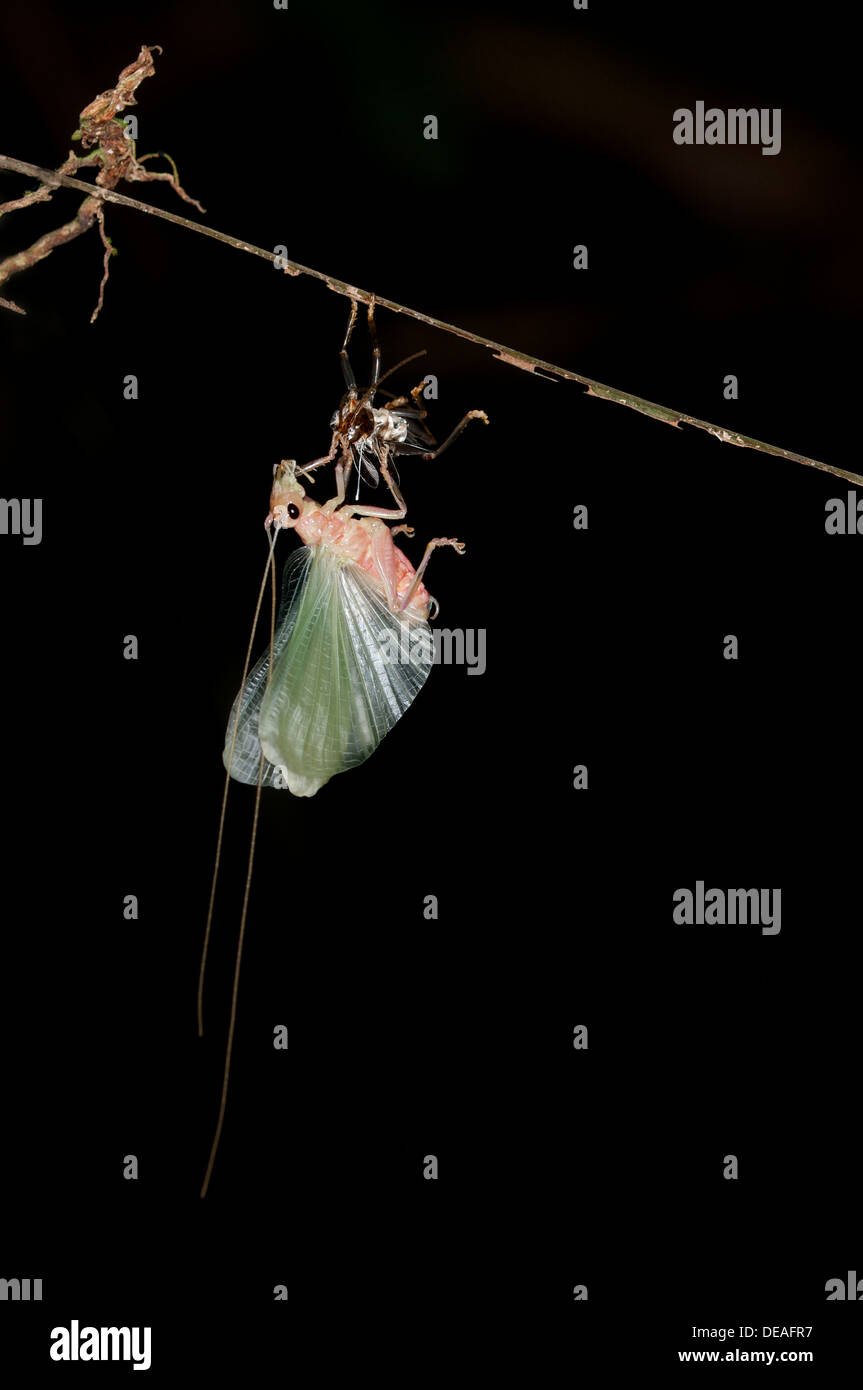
(330, 690)
(344, 661)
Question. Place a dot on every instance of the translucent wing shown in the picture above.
(349, 671)
(244, 758)
(345, 670)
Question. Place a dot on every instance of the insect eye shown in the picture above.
(293, 511)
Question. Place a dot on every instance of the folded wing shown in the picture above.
(345, 670)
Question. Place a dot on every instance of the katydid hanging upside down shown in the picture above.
(352, 646)
(348, 657)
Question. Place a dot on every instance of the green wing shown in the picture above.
(345, 670)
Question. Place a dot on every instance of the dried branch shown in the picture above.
(114, 153)
(512, 356)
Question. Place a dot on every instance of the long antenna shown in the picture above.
(271, 564)
(403, 363)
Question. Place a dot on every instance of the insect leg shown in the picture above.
(393, 513)
(398, 366)
(471, 415)
(432, 545)
(339, 498)
(384, 461)
(325, 458)
(347, 370)
(398, 401)
(376, 349)
(388, 513)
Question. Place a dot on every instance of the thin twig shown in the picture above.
(505, 354)
(106, 263)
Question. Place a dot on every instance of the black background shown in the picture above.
(453, 1037)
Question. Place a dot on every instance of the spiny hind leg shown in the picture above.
(417, 579)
